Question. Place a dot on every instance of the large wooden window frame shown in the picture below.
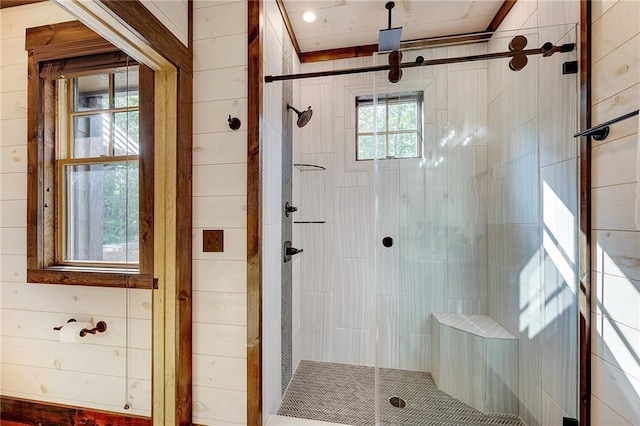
(58, 51)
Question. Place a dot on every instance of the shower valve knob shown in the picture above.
(291, 251)
(288, 209)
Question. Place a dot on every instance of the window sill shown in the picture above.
(93, 277)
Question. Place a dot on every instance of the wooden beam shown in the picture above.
(146, 170)
(500, 15)
(254, 212)
(165, 371)
(40, 413)
(65, 40)
(183, 261)
(370, 49)
(35, 152)
(12, 3)
(584, 238)
(339, 53)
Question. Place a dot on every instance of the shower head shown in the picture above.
(303, 117)
(389, 39)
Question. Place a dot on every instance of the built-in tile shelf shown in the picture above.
(481, 325)
(475, 359)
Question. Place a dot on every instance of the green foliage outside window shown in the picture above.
(396, 126)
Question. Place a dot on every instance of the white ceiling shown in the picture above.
(348, 23)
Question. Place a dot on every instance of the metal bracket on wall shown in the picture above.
(570, 67)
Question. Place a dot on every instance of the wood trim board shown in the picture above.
(13, 3)
(25, 411)
(254, 211)
(144, 23)
(584, 239)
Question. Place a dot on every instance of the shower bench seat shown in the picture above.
(475, 359)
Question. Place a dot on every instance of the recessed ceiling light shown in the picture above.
(309, 16)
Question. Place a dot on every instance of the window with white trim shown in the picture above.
(393, 130)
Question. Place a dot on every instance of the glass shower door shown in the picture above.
(475, 195)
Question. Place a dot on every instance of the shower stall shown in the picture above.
(439, 221)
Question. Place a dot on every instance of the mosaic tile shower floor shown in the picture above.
(343, 393)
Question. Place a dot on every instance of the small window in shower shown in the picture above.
(393, 130)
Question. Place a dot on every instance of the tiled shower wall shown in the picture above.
(279, 291)
(435, 214)
(487, 231)
(533, 211)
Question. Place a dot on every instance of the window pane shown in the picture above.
(403, 145)
(101, 214)
(365, 147)
(381, 123)
(91, 135)
(403, 116)
(91, 92)
(381, 152)
(367, 150)
(126, 88)
(365, 119)
(125, 133)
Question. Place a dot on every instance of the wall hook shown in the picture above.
(234, 123)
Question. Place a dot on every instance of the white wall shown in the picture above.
(615, 398)
(174, 14)
(34, 365)
(219, 202)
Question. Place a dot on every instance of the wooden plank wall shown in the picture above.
(220, 202)
(34, 364)
(173, 15)
(615, 235)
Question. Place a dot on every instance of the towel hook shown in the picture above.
(234, 123)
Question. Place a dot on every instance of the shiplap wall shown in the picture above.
(219, 202)
(34, 365)
(173, 14)
(615, 240)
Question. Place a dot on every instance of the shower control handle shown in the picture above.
(291, 251)
(288, 209)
